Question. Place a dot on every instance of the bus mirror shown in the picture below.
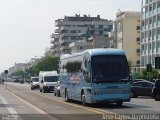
(41, 81)
(130, 77)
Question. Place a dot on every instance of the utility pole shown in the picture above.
(6, 73)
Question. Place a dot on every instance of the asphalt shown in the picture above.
(14, 108)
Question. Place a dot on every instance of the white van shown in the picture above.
(47, 80)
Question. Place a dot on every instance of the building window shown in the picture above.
(138, 27)
(73, 31)
(81, 48)
(138, 62)
(100, 32)
(100, 26)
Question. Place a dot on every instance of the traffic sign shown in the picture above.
(6, 71)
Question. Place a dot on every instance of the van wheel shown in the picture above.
(54, 94)
(40, 90)
(43, 90)
(58, 93)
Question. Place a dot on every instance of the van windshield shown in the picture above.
(51, 78)
(35, 79)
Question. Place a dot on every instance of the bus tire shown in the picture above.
(83, 100)
(66, 96)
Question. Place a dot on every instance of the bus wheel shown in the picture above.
(66, 96)
(83, 100)
(119, 103)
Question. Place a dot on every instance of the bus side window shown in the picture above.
(85, 71)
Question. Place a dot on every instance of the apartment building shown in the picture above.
(77, 28)
(127, 36)
(150, 32)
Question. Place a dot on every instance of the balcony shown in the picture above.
(54, 35)
(57, 31)
(65, 41)
(58, 22)
(64, 47)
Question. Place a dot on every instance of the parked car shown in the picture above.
(136, 80)
(21, 81)
(141, 88)
(156, 90)
(16, 81)
(57, 89)
(34, 82)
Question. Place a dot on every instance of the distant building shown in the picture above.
(150, 32)
(127, 36)
(102, 42)
(18, 67)
(48, 52)
(77, 28)
(79, 46)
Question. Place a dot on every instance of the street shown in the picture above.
(19, 99)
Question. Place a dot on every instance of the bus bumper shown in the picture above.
(108, 98)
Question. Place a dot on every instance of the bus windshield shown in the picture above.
(51, 78)
(109, 68)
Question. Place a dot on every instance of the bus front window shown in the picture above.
(109, 68)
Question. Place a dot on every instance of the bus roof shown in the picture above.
(97, 51)
(106, 51)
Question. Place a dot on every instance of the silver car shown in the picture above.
(34, 82)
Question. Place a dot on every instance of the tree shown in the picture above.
(46, 64)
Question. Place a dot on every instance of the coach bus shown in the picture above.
(95, 75)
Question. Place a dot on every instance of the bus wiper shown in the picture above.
(123, 80)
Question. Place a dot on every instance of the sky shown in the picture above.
(26, 25)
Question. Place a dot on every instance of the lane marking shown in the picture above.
(9, 108)
(98, 111)
(95, 110)
(32, 106)
(29, 104)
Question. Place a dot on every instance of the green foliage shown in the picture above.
(46, 64)
(19, 74)
(146, 75)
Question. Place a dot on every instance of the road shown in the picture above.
(27, 102)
